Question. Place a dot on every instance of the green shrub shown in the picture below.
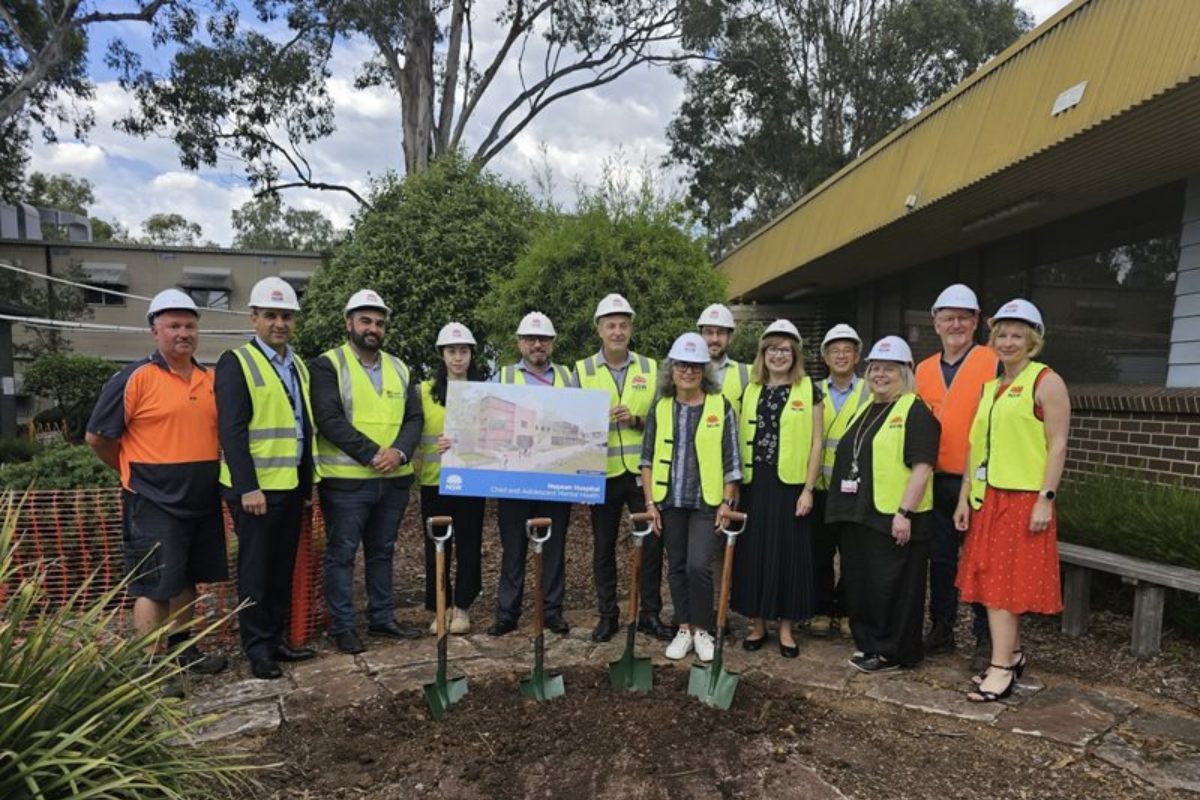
(82, 712)
(60, 466)
(18, 450)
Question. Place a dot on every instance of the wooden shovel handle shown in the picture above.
(440, 522)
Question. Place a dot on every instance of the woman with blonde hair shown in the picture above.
(781, 448)
(1018, 446)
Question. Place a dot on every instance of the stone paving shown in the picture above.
(1143, 735)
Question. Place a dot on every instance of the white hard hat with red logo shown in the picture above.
(274, 293)
(891, 348)
(690, 348)
(782, 327)
(535, 323)
(613, 304)
(840, 332)
(366, 298)
(454, 333)
(1022, 310)
(717, 316)
(170, 300)
(956, 296)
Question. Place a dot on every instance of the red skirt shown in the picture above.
(1005, 565)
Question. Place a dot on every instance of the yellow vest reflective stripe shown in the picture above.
(837, 422)
(1007, 435)
(889, 473)
(376, 415)
(430, 468)
(624, 442)
(795, 432)
(709, 436)
(272, 433)
(510, 374)
(733, 386)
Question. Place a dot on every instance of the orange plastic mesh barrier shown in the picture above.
(72, 534)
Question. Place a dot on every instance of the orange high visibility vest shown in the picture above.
(955, 408)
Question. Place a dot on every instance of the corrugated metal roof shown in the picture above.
(1140, 60)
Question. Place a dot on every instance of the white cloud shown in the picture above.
(1042, 10)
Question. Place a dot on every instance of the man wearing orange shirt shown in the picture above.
(950, 381)
(156, 422)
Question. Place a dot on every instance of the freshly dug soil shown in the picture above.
(596, 742)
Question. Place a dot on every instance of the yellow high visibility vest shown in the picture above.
(1007, 436)
(376, 415)
(430, 469)
(273, 444)
(889, 473)
(709, 436)
(510, 374)
(795, 432)
(737, 378)
(836, 423)
(624, 441)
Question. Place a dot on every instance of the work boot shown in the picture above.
(820, 625)
(461, 623)
(982, 657)
(844, 627)
(196, 660)
(940, 639)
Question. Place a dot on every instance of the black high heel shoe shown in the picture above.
(789, 651)
(755, 644)
(981, 695)
(1017, 668)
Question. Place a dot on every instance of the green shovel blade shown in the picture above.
(630, 672)
(542, 687)
(713, 685)
(442, 694)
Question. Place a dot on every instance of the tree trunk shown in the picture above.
(417, 85)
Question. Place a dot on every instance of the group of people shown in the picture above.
(857, 490)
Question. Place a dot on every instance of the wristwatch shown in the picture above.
(1049, 494)
(904, 512)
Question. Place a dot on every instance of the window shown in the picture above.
(210, 287)
(112, 277)
(297, 279)
(210, 298)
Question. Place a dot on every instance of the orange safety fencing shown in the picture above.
(76, 533)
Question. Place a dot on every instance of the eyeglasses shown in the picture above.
(955, 319)
(840, 351)
(779, 351)
(688, 367)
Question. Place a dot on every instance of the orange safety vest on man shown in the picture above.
(955, 407)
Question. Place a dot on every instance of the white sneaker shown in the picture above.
(433, 626)
(704, 646)
(681, 645)
(461, 623)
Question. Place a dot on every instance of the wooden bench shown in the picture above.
(1148, 579)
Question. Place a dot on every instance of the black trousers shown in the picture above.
(620, 493)
(691, 545)
(826, 546)
(885, 592)
(513, 515)
(467, 543)
(266, 559)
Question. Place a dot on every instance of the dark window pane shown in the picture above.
(93, 297)
(210, 298)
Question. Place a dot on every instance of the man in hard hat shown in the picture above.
(844, 393)
(156, 422)
(716, 326)
(629, 379)
(950, 381)
(266, 428)
(369, 418)
(535, 340)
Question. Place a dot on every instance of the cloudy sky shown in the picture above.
(136, 177)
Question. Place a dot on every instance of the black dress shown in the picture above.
(772, 567)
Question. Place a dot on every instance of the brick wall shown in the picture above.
(1151, 430)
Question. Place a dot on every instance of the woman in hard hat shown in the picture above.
(690, 472)
(1018, 447)
(781, 446)
(881, 494)
(456, 348)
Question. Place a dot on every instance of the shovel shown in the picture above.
(540, 686)
(631, 672)
(442, 693)
(711, 683)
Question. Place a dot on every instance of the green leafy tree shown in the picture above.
(265, 223)
(171, 230)
(619, 240)
(793, 91)
(267, 97)
(49, 300)
(72, 382)
(429, 245)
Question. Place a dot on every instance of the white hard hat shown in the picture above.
(690, 348)
(454, 333)
(891, 348)
(170, 300)
(613, 304)
(956, 296)
(274, 293)
(366, 298)
(1022, 310)
(716, 315)
(839, 332)
(781, 327)
(535, 323)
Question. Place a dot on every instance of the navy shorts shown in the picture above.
(166, 554)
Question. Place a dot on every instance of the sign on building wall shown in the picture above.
(525, 442)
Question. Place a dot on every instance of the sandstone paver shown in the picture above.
(1071, 715)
